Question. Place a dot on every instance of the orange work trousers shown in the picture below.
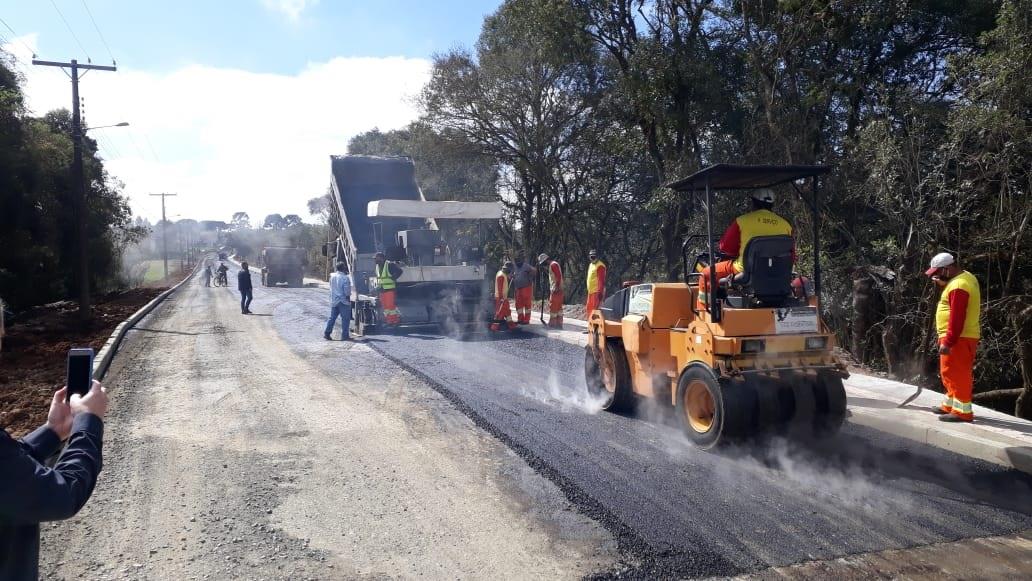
(957, 371)
(555, 309)
(594, 302)
(724, 268)
(390, 309)
(524, 304)
(502, 315)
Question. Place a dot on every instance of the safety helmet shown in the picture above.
(508, 267)
(765, 195)
(593, 253)
(542, 258)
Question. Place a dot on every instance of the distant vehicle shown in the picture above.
(223, 255)
(382, 209)
(281, 264)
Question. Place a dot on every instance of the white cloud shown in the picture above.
(230, 140)
(291, 8)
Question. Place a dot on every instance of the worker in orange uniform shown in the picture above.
(596, 282)
(958, 326)
(523, 283)
(387, 274)
(555, 291)
(761, 221)
(502, 313)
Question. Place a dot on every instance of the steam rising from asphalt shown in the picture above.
(557, 393)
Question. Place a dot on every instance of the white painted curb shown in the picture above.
(103, 359)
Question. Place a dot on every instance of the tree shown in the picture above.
(240, 221)
(291, 220)
(274, 222)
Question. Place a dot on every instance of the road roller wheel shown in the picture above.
(610, 377)
(714, 413)
(830, 397)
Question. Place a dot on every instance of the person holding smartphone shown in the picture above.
(31, 492)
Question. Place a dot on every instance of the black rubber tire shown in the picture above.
(830, 396)
(768, 408)
(804, 410)
(734, 410)
(622, 398)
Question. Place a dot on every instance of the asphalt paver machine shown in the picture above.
(757, 359)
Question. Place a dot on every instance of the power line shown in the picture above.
(151, 147)
(99, 33)
(8, 26)
(132, 140)
(69, 26)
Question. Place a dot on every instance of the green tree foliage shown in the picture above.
(37, 221)
(589, 107)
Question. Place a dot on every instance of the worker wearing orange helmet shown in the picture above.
(596, 282)
(959, 329)
(555, 291)
(502, 313)
(761, 221)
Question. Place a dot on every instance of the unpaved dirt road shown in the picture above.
(420, 455)
(228, 455)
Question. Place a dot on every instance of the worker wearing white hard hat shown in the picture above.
(761, 221)
(959, 329)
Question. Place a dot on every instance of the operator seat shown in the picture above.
(768, 273)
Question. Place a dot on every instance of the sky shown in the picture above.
(234, 105)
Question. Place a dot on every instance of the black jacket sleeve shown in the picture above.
(395, 270)
(32, 493)
(40, 444)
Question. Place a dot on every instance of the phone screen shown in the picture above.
(80, 371)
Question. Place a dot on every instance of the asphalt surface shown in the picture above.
(677, 511)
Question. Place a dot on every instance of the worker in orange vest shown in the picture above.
(596, 282)
(502, 313)
(761, 221)
(959, 329)
(555, 291)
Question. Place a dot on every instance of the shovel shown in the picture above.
(912, 397)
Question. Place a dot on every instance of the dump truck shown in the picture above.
(758, 359)
(281, 264)
(379, 207)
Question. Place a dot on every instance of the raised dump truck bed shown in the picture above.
(282, 264)
(383, 210)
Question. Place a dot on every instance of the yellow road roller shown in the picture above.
(743, 352)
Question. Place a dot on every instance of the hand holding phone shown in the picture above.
(80, 372)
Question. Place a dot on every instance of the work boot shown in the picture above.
(954, 418)
(513, 326)
(327, 337)
(496, 327)
(938, 410)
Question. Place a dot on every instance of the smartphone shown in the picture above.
(80, 371)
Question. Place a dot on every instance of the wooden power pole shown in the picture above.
(164, 231)
(79, 178)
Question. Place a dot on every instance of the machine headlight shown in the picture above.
(753, 345)
(816, 343)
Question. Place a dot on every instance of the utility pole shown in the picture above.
(164, 231)
(79, 178)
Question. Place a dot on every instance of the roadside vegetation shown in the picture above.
(579, 112)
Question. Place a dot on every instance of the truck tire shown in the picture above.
(613, 384)
(830, 395)
(714, 413)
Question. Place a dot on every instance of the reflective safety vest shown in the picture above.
(593, 282)
(758, 223)
(964, 281)
(555, 277)
(383, 275)
(501, 286)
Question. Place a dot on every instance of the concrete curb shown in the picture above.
(103, 359)
(994, 437)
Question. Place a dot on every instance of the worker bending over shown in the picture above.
(523, 281)
(958, 326)
(502, 314)
(387, 274)
(596, 282)
(760, 222)
(555, 291)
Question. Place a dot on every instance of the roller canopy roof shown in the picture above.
(724, 176)
(436, 210)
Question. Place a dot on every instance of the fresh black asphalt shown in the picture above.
(677, 511)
